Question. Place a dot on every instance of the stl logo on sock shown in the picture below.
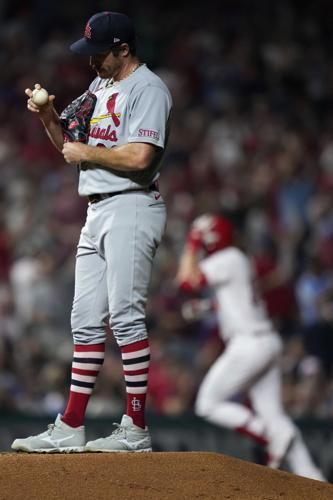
(136, 404)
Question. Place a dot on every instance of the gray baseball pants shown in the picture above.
(113, 267)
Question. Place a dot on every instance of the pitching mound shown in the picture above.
(155, 476)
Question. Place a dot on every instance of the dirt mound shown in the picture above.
(148, 476)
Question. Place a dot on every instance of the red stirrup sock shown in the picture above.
(136, 366)
(87, 361)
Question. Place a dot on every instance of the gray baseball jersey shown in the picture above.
(121, 234)
(135, 109)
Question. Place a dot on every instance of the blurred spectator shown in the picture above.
(314, 292)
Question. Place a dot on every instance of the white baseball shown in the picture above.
(40, 97)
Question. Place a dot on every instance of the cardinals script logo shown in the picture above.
(106, 133)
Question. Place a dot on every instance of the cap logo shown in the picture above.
(115, 40)
(87, 31)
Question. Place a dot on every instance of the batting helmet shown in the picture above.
(216, 232)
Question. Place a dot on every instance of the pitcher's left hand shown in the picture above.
(75, 152)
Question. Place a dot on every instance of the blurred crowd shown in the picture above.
(252, 135)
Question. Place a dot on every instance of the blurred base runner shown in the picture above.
(250, 362)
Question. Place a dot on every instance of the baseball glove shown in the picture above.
(75, 119)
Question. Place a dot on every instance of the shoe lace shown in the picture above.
(119, 431)
(50, 429)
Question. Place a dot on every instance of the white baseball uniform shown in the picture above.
(249, 362)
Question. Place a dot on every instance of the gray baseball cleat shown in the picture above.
(126, 438)
(59, 438)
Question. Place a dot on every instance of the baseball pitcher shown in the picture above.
(116, 132)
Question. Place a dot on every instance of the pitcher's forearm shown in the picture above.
(54, 130)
